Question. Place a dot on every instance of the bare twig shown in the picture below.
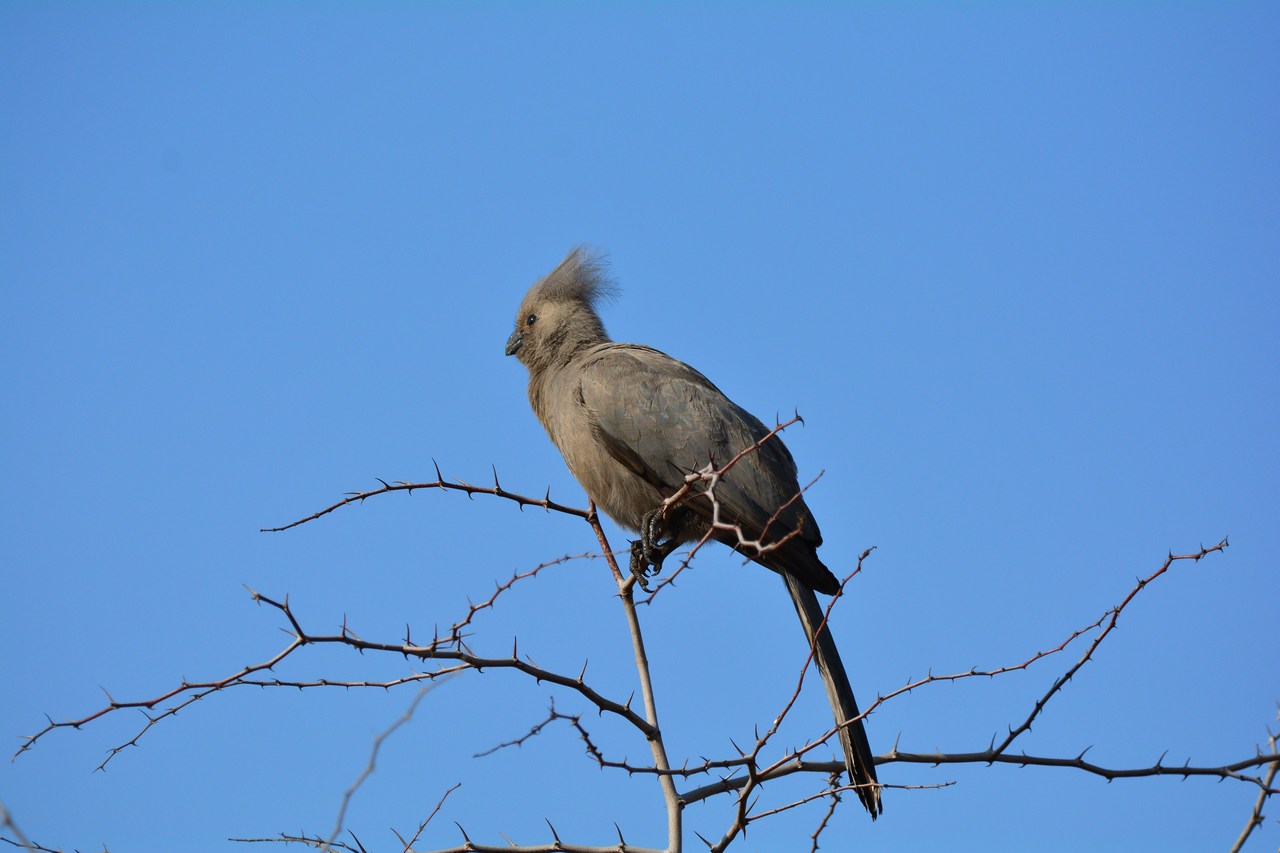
(331, 844)
(438, 483)
(191, 692)
(455, 632)
(833, 783)
(408, 845)
(552, 717)
(1255, 817)
(306, 840)
(554, 847)
(1114, 613)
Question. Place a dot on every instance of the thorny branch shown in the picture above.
(406, 846)
(413, 839)
(1111, 617)
(833, 785)
(741, 775)
(191, 692)
(1255, 817)
(307, 841)
(438, 483)
(552, 717)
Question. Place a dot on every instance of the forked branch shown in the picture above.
(742, 776)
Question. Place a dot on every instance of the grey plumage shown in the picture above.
(631, 422)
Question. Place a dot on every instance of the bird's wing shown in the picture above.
(663, 420)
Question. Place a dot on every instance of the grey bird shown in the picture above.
(632, 422)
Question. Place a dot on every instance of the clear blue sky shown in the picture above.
(1016, 264)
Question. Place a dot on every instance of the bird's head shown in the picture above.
(558, 315)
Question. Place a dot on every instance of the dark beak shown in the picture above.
(514, 342)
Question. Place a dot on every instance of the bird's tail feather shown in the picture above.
(853, 737)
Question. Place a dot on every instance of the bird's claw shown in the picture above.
(640, 565)
(648, 552)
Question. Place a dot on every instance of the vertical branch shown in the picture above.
(1255, 818)
(626, 586)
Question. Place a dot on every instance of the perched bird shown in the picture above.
(632, 423)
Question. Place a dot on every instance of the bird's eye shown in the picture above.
(531, 319)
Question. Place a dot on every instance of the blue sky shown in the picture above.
(1016, 265)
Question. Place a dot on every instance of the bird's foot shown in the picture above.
(648, 552)
(639, 565)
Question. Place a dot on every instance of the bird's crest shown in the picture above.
(580, 277)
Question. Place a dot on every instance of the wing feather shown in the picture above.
(662, 420)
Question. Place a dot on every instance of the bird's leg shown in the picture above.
(649, 550)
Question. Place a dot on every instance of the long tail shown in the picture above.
(853, 737)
